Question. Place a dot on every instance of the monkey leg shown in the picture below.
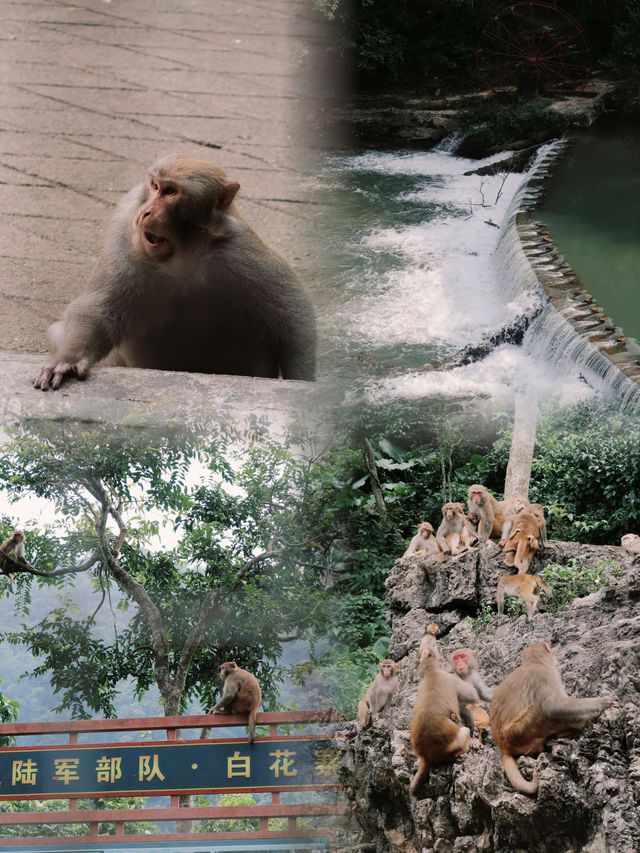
(516, 778)
(460, 743)
(531, 603)
(364, 713)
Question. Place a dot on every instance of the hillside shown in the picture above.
(589, 786)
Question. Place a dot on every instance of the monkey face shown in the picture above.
(387, 668)
(475, 496)
(227, 668)
(461, 662)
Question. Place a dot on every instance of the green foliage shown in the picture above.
(493, 125)
(9, 710)
(348, 676)
(484, 616)
(586, 471)
(429, 45)
(227, 824)
(241, 542)
(574, 581)
(71, 830)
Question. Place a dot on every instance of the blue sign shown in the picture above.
(169, 767)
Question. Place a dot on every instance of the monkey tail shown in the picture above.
(418, 779)
(516, 778)
(542, 586)
(252, 725)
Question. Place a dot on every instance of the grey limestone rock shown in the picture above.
(589, 795)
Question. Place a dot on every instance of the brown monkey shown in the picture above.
(423, 541)
(184, 283)
(378, 697)
(479, 717)
(631, 543)
(241, 694)
(453, 530)
(526, 587)
(490, 512)
(465, 665)
(531, 705)
(429, 642)
(521, 543)
(519, 505)
(14, 546)
(436, 734)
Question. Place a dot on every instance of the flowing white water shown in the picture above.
(431, 273)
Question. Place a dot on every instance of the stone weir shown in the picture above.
(579, 330)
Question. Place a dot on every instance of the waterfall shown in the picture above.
(524, 263)
(451, 143)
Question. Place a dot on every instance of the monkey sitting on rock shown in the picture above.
(377, 699)
(436, 733)
(531, 705)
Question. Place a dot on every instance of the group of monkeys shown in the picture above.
(529, 706)
(517, 524)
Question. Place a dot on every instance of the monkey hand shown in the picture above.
(502, 543)
(53, 375)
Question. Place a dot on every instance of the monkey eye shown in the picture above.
(171, 191)
(154, 185)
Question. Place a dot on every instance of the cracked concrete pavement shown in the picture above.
(92, 92)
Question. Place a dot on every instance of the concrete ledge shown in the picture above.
(129, 397)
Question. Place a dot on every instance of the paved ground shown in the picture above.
(92, 92)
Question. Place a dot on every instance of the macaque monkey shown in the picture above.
(530, 532)
(489, 512)
(454, 531)
(465, 665)
(241, 694)
(423, 542)
(526, 587)
(429, 642)
(521, 542)
(14, 546)
(631, 543)
(185, 283)
(531, 705)
(378, 697)
(436, 733)
(479, 718)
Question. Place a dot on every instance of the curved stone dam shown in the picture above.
(443, 281)
(571, 326)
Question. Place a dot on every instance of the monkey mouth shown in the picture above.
(154, 239)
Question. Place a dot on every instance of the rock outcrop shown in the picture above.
(589, 795)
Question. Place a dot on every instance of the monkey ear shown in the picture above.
(227, 195)
(547, 647)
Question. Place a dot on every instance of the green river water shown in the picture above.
(593, 214)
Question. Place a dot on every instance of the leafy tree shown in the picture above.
(241, 579)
